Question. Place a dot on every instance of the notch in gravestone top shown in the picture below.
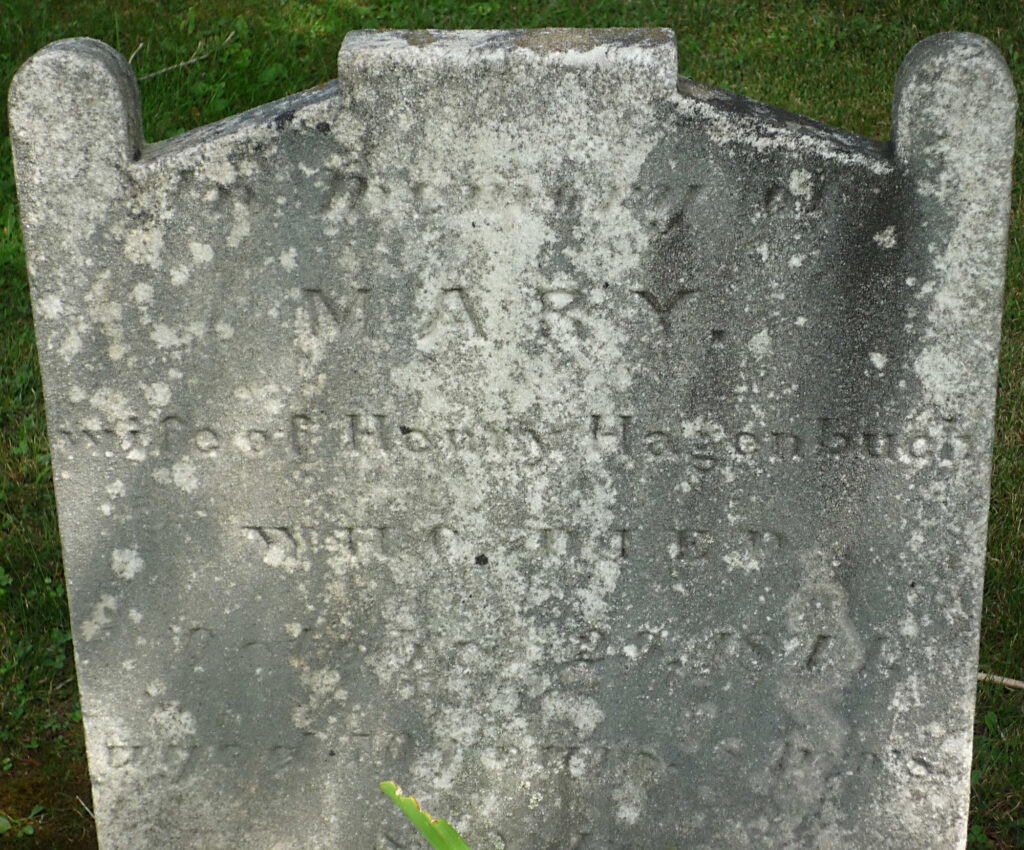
(602, 456)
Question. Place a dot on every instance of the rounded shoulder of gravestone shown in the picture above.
(75, 98)
(954, 94)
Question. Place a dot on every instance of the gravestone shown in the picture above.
(601, 456)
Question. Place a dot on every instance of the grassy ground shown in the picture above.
(835, 61)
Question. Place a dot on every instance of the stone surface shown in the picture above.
(600, 456)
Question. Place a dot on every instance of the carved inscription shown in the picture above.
(344, 313)
(670, 206)
(310, 436)
(174, 761)
(454, 308)
(664, 308)
(286, 544)
(562, 305)
(825, 438)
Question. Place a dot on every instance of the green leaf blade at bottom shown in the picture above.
(440, 833)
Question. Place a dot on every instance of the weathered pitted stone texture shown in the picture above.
(602, 457)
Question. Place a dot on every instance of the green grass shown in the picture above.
(834, 61)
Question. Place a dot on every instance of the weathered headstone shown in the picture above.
(602, 457)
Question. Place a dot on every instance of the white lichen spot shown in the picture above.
(100, 617)
(628, 812)
(180, 276)
(135, 616)
(71, 345)
(583, 712)
(797, 260)
(302, 718)
(268, 396)
(201, 252)
(760, 344)
(281, 552)
(158, 394)
(107, 312)
(916, 768)
(251, 442)
(184, 475)
(144, 246)
(323, 682)
(908, 627)
(126, 563)
(878, 360)
(223, 330)
(240, 227)
(293, 630)
(287, 259)
(166, 337)
(220, 170)
(106, 509)
(117, 489)
(742, 561)
(173, 725)
(886, 238)
(940, 371)
(50, 307)
(762, 252)
(162, 475)
(143, 293)
(116, 351)
(112, 404)
(800, 321)
(800, 185)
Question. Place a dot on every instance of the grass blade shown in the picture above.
(440, 833)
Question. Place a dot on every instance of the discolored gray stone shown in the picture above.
(600, 456)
